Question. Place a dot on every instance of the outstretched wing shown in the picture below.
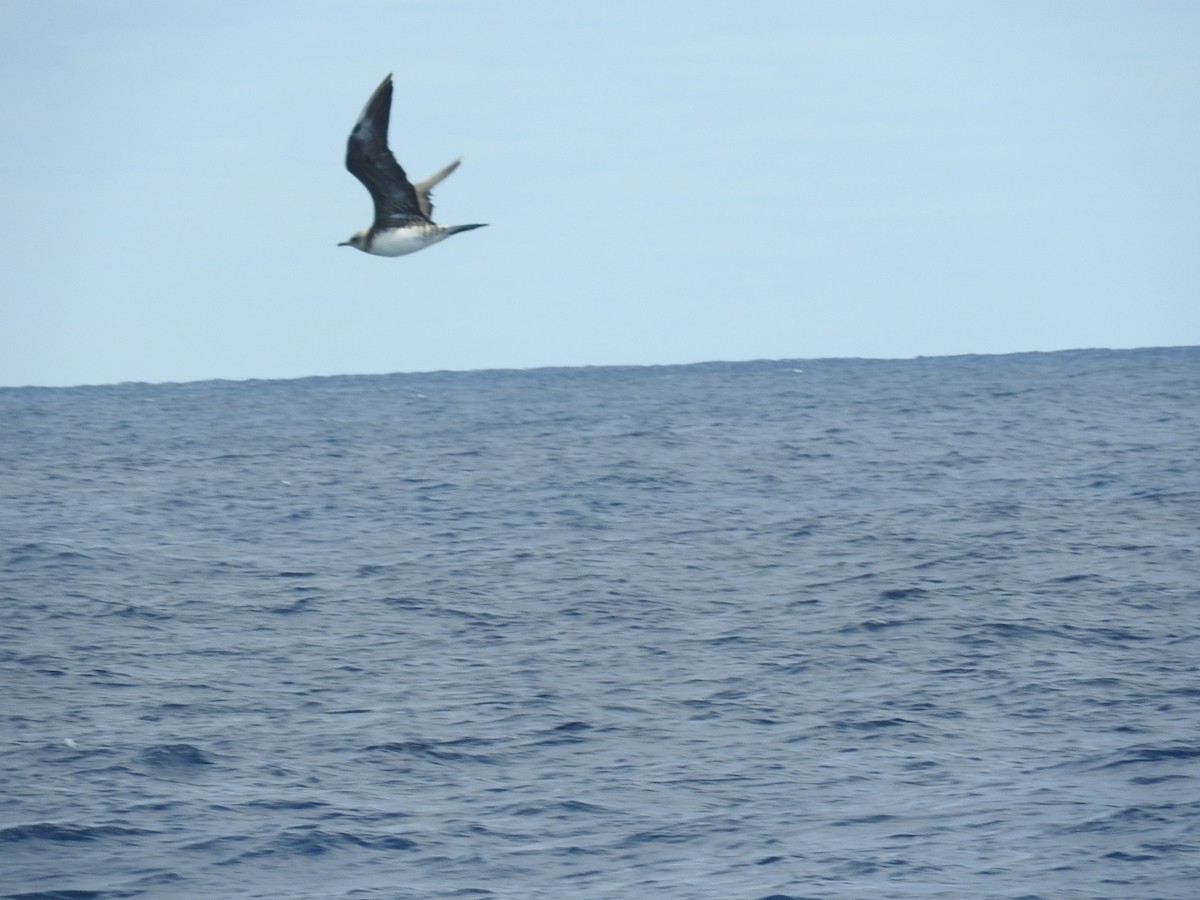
(371, 162)
(424, 187)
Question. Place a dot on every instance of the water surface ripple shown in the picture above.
(841, 628)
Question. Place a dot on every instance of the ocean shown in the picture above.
(743, 631)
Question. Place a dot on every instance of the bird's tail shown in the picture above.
(455, 229)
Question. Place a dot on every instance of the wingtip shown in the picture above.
(384, 85)
(378, 105)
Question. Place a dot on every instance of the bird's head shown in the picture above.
(357, 240)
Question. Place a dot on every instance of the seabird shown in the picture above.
(403, 214)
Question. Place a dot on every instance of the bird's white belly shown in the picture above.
(401, 241)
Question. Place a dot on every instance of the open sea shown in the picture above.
(740, 631)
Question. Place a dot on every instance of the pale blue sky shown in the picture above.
(665, 182)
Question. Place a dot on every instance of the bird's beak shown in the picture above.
(344, 244)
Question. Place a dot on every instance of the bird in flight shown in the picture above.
(403, 214)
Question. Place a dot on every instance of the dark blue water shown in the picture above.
(843, 628)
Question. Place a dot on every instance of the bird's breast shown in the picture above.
(400, 241)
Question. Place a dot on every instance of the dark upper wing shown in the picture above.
(371, 162)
